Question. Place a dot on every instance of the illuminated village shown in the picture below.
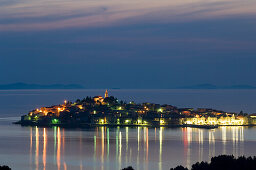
(108, 111)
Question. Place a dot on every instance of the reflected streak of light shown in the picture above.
(189, 135)
(237, 139)
(241, 141)
(117, 142)
(31, 145)
(127, 138)
(144, 144)
(211, 144)
(201, 136)
(201, 141)
(102, 145)
(185, 143)
(120, 150)
(138, 139)
(108, 142)
(58, 147)
(160, 147)
(234, 140)
(37, 148)
(63, 142)
(236, 136)
(95, 147)
(224, 138)
(138, 154)
(155, 134)
(45, 148)
(242, 134)
(65, 166)
(147, 146)
(144, 135)
(81, 165)
(189, 139)
(55, 141)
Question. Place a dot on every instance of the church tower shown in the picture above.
(106, 94)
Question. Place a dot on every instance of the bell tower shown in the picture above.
(106, 94)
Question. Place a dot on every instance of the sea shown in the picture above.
(104, 148)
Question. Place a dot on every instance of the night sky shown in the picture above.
(128, 44)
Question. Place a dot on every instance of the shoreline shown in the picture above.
(82, 125)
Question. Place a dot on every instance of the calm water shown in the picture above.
(107, 148)
(115, 148)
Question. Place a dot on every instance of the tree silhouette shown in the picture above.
(224, 162)
(4, 167)
(128, 168)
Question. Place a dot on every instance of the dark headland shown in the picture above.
(109, 111)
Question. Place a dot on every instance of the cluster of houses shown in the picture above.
(110, 111)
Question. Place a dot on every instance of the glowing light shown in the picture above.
(80, 107)
(65, 101)
(101, 121)
(127, 121)
(55, 121)
(160, 110)
(162, 122)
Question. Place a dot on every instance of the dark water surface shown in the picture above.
(115, 148)
(25, 148)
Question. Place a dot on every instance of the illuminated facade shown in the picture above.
(98, 99)
(224, 121)
(106, 93)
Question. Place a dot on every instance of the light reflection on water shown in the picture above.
(141, 147)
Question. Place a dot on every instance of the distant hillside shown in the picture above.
(211, 86)
(39, 86)
(199, 86)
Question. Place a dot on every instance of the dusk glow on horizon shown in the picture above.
(46, 15)
(113, 44)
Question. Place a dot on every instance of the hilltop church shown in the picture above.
(100, 99)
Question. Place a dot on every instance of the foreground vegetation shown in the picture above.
(222, 162)
(4, 167)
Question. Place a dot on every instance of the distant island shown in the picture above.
(211, 86)
(109, 111)
(15, 86)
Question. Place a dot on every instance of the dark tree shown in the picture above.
(179, 168)
(224, 162)
(4, 167)
(128, 168)
(200, 166)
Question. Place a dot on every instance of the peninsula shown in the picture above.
(109, 111)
